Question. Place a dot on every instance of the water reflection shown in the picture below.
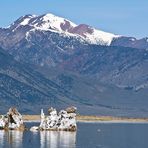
(11, 138)
(2, 133)
(67, 139)
(57, 139)
(111, 136)
(15, 138)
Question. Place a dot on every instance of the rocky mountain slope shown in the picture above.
(25, 88)
(120, 66)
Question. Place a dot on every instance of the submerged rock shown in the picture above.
(58, 121)
(12, 120)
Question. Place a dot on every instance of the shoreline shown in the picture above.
(93, 119)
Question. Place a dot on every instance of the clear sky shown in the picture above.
(124, 17)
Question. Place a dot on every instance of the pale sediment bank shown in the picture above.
(89, 119)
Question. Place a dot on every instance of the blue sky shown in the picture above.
(125, 17)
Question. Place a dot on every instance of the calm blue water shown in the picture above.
(88, 135)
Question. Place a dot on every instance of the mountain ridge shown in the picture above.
(57, 24)
(50, 22)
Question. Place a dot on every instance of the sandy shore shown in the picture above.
(106, 119)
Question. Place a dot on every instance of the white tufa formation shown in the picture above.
(3, 121)
(13, 120)
(57, 121)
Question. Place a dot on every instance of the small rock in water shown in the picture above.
(34, 128)
(98, 130)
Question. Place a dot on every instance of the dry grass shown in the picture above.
(110, 118)
(91, 118)
(31, 117)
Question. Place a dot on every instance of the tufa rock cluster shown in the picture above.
(12, 120)
(64, 120)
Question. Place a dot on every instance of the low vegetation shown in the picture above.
(92, 118)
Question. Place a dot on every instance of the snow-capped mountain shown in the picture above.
(26, 26)
(50, 22)
(48, 40)
(113, 77)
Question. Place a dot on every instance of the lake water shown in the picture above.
(88, 135)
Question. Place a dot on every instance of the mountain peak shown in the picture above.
(50, 22)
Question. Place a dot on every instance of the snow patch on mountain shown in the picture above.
(132, 39)
(100, 37)
(25, 21)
